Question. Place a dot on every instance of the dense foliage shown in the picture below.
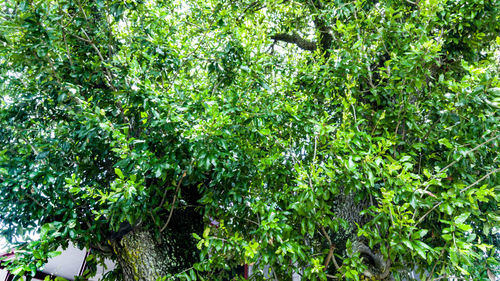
(338, 139)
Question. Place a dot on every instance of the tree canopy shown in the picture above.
(338, 139)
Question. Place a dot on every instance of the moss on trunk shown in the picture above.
(145, 254)
(141, 257)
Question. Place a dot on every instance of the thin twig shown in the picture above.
(154, 220)
(83, 11)
(53, 68)
(330, 253)
(326, 236)
(253, 4)
(248, 220)
(65, 42)
(173, 202)
(80, 38)
(428, 212)
(91, 42)
(163, 198)
(459, 158)
(103, 61)
(461, 191)
(36, 201)
(472, 150)
(274, 273)
(480, 180)
(315, 148)
(427, 185)
(376, 123)
(400, 119)
(355, 118)
(434, 267)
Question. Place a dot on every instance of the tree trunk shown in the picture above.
(144, 254)
(142, 257)
(349, 209)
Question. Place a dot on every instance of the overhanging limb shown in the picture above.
(295, 39)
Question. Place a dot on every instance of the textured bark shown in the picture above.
(141, 257)
(324, 32)
(295, 39)
(145, 254)
(325, 37)
(348, 208)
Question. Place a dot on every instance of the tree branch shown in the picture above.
(427, 185)
(330, 253)
(325, 36)
(173, 202)
(36, 201)
(470, 151)
(295, 39)
(461, 191)
(480, 180)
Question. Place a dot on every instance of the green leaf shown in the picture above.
(462, 218)
(446, 143)
(53, 254)
(371, 178)
(427, 174)
(408, 244)
(119, 173)
(17, 271)
(464, 227)
(405, 158)
(419, 234)
(192, 275)
(420, 252)
(206, 232)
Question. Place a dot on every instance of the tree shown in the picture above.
(341, 139)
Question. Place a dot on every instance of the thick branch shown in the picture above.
(295, 39)
(382, 266)
(325, 36)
